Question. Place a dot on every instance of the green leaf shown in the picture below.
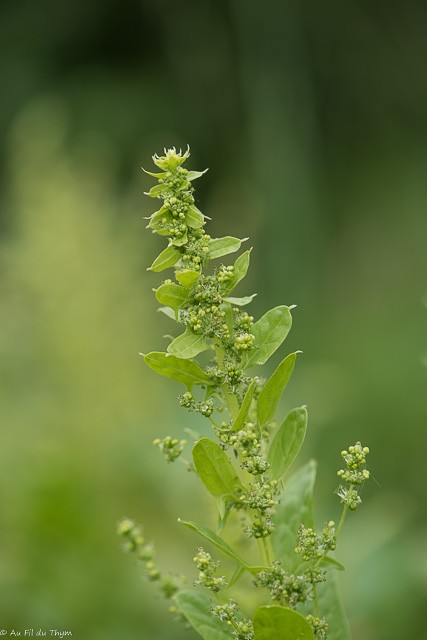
(166, 259)
(240, 302)
(178, 242)
(158, 219)
(243, 411)
(219, 247)
(172, 295)
(269, 331)
(333, 563)
(192, 175)
(240, 269)
(270, 395)
(215, 539)
(195, 607)
(214, 468)
(331, 608)
(157, 190)
(295, 508)
(185, 371)
(194, 218)
(187, 277)
(287, 442)
(188, 345)
(273, 622)
(170, 313)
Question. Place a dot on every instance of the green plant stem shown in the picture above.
(315, 600)
(342, 519)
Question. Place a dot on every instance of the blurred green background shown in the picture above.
(312, 118)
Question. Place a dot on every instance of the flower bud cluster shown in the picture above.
(207, 568)
(170, 447)
(261, 496)
(255, 465)
(228, 612)
(353, 475)
(261, 527)
(196, 250)
(285, 588)
(355, 459)
(188, 401)
(320, 627)
(313, 546)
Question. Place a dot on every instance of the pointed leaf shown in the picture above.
(331, 607)
(194, 218)
(287, 442)
(187, 277)
(270, 331)
(188, 345)
(214, 468)
(166, 259)
(240, 302)
(295, 508)
(273, 622)
(157, 190)
(186, 371)
(243, 412)
(172, 295)
(270, 395)
(219, 247)
(240, 269)
(192, 175)
(170, 313)
(159, 219)
(178, 242)
(333, 563)
(195, 607)
(215, 539)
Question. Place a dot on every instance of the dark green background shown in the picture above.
(312, 118)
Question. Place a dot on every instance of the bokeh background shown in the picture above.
(312, 118)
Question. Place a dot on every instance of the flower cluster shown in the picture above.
(353, 475)
(228, 612)
(314, 546)
(207, 568)
(170, 447)
(285, 588)
(320, 627)
(188, 401)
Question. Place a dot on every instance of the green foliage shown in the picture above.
(244, 464)
(280, 623)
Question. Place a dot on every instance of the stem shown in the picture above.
(315, 600)
(342, 519)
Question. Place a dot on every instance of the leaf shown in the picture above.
(333, 563)
(170, 313)
(240, 269)
(195, 607)
(178, 242)
(215, 539)
(166, 259)
(243, 411)
(185, 371)
(269, 331)
(287, 442)
(240, 302)
(188, 345)
(219, 247)
(158, 219)
(295, 508)
(187, 277)
(270, 395)
(172, 295)
(331, 607)
(157, 190)
(194, 218)
(214, 468)
(192, 175)
(273, 622)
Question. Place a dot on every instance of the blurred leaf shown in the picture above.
(172, 295)
(195, 606)
(240, 302)
(240, 269)
(192, 175)
(330, 604)
(194, 218)
(287, 442)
